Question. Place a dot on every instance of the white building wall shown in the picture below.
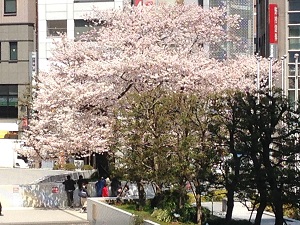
(63, 10)
(8, 146)
(7, 153)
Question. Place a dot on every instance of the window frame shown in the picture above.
(54, 31)
(291, 16)
(9, 92)
(79, 29)
(6, 12)
(293, 27)
(294, 43)
(294, 5)
(13, 57)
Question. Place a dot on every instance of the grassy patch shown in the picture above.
(145, 214)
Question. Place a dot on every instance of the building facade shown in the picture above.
(287, 45)
(64, 16)
(245, 9)
(17, 42)
(292, 47)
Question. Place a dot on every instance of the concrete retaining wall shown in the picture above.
(100, 213)
(45, 195)
(46, 192)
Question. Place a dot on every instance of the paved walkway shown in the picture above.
(31, 216)
(241, 212)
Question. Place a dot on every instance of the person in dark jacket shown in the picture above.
(99, 186)
(80, 181)
(69, 188)
(115, 185)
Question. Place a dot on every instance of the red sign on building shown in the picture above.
(273, 23)
(55, 190)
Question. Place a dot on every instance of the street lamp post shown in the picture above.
(258, 58)
(283, 77)
(270, 74)
(296, 79)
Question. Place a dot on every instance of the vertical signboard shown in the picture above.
(32, 65)
(273, 30)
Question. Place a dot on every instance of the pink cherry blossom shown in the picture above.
(133, 49)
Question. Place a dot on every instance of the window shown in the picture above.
(10, 6)
(13, 46)
(291, 55)
(81, 26)
(294, 43)
(294, 5)
(294, 18)
(294, 31)
(56, 27)
(8, 101)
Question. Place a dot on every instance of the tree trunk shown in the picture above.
(278, 207)
(142, 196)
(199, 210)
(260, 209)
(182, 195)
(230, 202)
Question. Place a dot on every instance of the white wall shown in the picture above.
(7, 152)
(63, 10)
(99, 212)
(8, 146)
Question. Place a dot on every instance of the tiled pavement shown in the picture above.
(31, 216)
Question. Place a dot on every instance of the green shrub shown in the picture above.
(222, 221)
(291, 212)
(168, 200)
(57, 167)
(138, 220)
(69, 167)
(187, 213)
(205, 214)
(288, 211)
(218, 195)
(87, 167)
(163, 215)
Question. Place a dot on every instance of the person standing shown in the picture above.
(69, 188)
(83, 194)
(80, 181)
(105, 191)
(128, 192)
(115, 185)
(99, 186)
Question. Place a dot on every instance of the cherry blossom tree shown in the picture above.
(130, 50)
(133, 49)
